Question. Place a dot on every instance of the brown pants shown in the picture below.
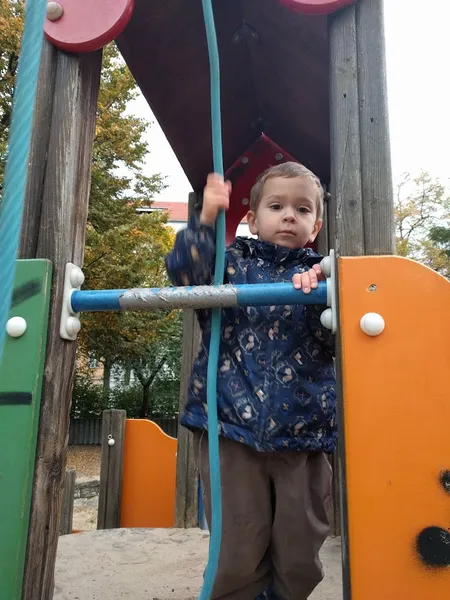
(275, 519)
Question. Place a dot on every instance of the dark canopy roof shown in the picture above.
(274, 70)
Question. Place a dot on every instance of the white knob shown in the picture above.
(73, 325)
(16, 327)
(325, 265)
(111, 442)
(77, 278)
(326, 318)
(372, 324)
(54, 11)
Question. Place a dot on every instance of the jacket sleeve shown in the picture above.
(192, 259)
(321, 333)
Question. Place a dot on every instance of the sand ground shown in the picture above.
(143, 564)
(151, 564)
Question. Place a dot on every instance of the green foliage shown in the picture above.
(422, 208)
(88, 399)
(118, 184)
(441, 237)
(164, 404)
(11, 22)
(148, 344)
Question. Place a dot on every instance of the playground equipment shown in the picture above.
(137, 479)
(275, 97)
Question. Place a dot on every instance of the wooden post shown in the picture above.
(110, 496)
(66, 520)
(362, 207)
(323, 239)
(54, 227)
(346, 220)
(186, 501)
(376, 168)
(361, 217)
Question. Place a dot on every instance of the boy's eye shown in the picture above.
(276, 206)
(303, 209)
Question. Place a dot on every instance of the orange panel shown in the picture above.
(397, 439)
(149, 469)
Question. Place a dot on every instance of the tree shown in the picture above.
(420, 203)
(148, 344)
(438, 251)
(422, 208)
(118, 184)
(119, 147)
(156, 364)
(11, 23)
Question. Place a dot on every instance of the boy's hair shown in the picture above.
(288, 170)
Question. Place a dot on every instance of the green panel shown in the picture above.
(21, 372)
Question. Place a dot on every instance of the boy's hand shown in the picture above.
(216, 197)
(309, 280)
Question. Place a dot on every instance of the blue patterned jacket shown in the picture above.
(276, 385)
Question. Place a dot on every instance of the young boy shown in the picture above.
(275, 393)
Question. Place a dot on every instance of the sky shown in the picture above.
(418, 73)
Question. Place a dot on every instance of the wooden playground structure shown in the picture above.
(308, 87)
(137, 478)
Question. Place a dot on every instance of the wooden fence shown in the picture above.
(86, 432)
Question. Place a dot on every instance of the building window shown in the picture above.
(92, 362)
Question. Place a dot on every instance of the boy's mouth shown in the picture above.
(287, 232)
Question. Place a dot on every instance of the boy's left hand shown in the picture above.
(309, 280)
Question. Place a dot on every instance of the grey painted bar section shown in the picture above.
(199, 297)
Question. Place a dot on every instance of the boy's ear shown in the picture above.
(315, 231)
(251, 220)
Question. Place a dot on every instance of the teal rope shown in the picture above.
(213, 360)
(11, 207)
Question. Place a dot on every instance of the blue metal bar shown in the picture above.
(208, 296)
(267, 294)
(98, 300)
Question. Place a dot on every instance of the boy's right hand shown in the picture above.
(216, 197)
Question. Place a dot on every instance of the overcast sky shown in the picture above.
(418, 57)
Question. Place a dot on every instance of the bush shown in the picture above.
(164, 398)
(88, 399)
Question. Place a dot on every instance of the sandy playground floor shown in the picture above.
(151, 564)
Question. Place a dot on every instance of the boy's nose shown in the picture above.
(289, 215)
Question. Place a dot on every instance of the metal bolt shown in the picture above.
(278, 156)
(244, 160)
(245, 201)
(54, 11)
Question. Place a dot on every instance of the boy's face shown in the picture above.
(287, 212)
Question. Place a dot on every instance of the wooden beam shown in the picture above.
(376, 169)
(186, 500)
(346, 210)
(42, 121)
(362, 207)
(361, 212)
(111, 470)
(66, 520)
(54, 228)
(323, 239)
